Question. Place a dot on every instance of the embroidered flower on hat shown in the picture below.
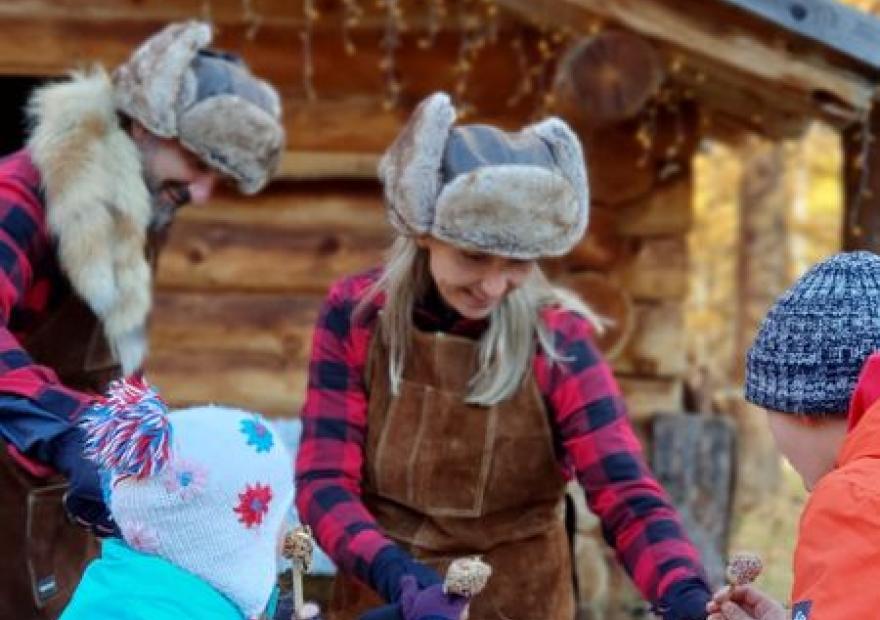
(257, 434)
(253, 504)
(186, 479)
(140, 536)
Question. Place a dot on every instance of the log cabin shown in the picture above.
(643, 82)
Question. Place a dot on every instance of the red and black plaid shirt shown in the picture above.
(595, 442)
(34, 407)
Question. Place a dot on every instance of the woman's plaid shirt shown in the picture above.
(594, 437)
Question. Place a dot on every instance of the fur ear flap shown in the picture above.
(148, 85)
(410, 170)
(569, 157)
(236, 137)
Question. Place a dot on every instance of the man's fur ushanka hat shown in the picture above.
(177, 88)
(521, 195)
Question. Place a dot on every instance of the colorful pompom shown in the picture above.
(128, 432)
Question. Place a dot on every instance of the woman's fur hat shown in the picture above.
(522, 195)
(210, 101)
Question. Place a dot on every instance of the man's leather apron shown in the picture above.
(446, 479)
(44, 554)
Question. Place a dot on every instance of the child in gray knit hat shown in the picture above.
(815, 368)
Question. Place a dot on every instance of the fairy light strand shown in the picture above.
(311, 15)
(252, 19)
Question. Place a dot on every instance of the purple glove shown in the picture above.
(430, 603)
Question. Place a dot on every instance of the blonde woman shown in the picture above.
(452, 392)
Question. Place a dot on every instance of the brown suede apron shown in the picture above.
(446, 479)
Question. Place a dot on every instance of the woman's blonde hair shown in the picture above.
(506, 347)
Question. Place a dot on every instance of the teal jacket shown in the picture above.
(124, 584)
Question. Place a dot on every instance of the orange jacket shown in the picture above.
(837, 559)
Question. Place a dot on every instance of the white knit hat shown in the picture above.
(206, 488)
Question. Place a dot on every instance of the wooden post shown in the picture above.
(763, 262)
(861, 158)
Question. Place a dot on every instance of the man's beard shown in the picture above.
(165, 198)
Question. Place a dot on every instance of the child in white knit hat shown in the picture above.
(200, 496)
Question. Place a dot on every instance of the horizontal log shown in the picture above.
(252, 381)
(657, 345)
(609, 301)
(246, 350)
(648, 397)
(278, 54)
(848, 30)
(219, 11)
(358, 126)
(327, 165)
(621, 167)
(697, 30)
(601, 248)
(730, 93)
(298, 241)
(330, 15)
(657, 271)
(667, 211)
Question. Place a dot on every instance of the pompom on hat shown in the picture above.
(178, 88)
(521, 195)
(206, 488)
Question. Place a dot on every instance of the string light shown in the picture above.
(471, 42)
(524, 86)
(251, 18)
(352, 15)
(477, 23)
(437, 12)
(549, 51)
(394, 25)
(646, 134)
(311, 15)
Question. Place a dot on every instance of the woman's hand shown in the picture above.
(416, 603)
(744, 603)
(430, 603)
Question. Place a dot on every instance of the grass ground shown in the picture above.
(770, 530)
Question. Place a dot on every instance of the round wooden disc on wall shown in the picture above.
(607, 78)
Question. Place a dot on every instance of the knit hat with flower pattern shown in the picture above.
(206, 488)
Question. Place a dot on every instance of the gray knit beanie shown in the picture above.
(811, 346)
